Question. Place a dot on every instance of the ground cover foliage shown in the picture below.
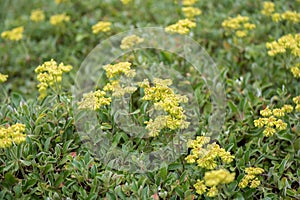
(256, 47)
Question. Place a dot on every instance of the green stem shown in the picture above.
(4, 93)
(25, 48)
(136, 57)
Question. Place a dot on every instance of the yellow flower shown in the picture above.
(94, 100)
(61, 1)
(292, 16)
(188, 2)
(251, 177)
(268, 9)
(113, 72)
(155, 126)
(191, 12)
(207, 162)
(130, 41)
(212, 192)
(49, 74)
(212, 179)
(165, 99)
(278, 112)
(288, 108)
(182, 27)
(59, 19)
(118, 69)
(37, 15)
(266, 112)
(3, 78)
(249, 26)
(280, 125)
(296, 70)
(101, 26)
(144, 84)
(216, 177)
(125, 2)
(269, 131)
(286, 42)
(207, 156)
(255, 183)
(254, 170)
(15, 34)
(260, 122)
(241, 34)
(239, 24)
(200, 187)
(244, 182)
(199, 142)
(235, 23)
(296, 100)
(276, 17)
(19, 138)
(5, 142)
(270, 121)
(191, 158)
(18, 128)
(297, 108)
(13, 134)
(225, 156)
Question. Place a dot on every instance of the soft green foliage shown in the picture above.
(52, 162)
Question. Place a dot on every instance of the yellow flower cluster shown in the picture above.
(188, 2)
(118, 90)
(130, 41)
(125, 2)
(207, 157)
(212, 179)
(13, 134)
(286, 42)
(182, 27)
(119, 69)
(113, 72)
(269, 120)
(268, 8)
(296, 70)
(297, 102)
(191, 12)
(59, 19)
(251, 177)
(276, 17)
(290, 16)
(3, 78)
(49, 74)
(15, 34)
(216, 177)
(94, 100)
(61, 1)
(164, 99)
(240, 25)
(101, 26)
(37, 15)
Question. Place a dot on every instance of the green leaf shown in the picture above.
(163, 173)
(26, 163)
(59, 180)
(239, 196)
(16, 98)
(10, 179)
(179, 192)
(30, 182)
